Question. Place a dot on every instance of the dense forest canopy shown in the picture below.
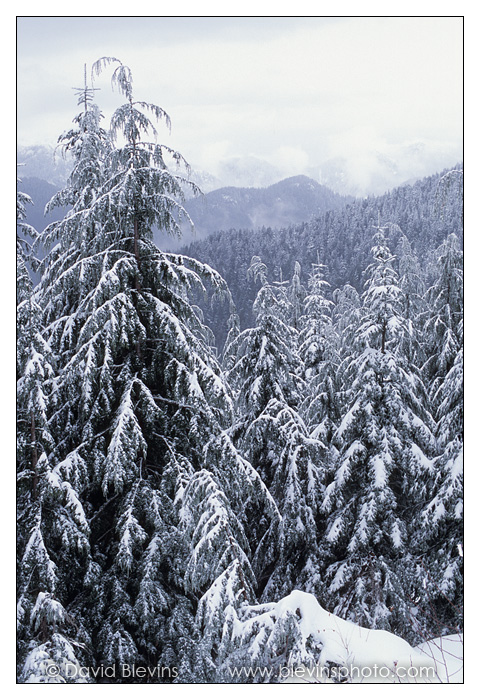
(213, 442)
(341, 239)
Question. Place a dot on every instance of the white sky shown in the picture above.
(295, 91)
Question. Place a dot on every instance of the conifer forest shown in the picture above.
(232, 456)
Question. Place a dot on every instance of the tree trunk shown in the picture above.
(33, 438)
(384, 336)
(138, 288)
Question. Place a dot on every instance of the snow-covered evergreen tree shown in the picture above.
(218, 568)
(440, 545)
(385, 444)
(411, 282)
(266, 362)
(267, 379)
(297, 294)
(347, 315)
(319, 348)
(440, 535)
(52, 528)
(443, 329)
(138, 393)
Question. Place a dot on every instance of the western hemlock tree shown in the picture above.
(319, 348)
(138, 391)
(266, 376)
(297, 294)
(441, 537)
(444, 315)
(53, 531)
(412, 283)
(385, 444)
(218, 567)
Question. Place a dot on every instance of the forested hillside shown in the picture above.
(230, 456)
(290, 201)
(425, 213)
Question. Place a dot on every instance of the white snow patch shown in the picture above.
(370, 656)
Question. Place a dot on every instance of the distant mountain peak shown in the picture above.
(292, 200)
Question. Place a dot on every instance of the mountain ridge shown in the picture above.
(290, 201)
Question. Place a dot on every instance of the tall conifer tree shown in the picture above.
(138, 391)
(385, 444)
(267, 377)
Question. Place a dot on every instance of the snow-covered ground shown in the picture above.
(359, 655)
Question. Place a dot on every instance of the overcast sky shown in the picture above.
(295, 91)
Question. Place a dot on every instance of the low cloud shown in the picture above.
(295, 92)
